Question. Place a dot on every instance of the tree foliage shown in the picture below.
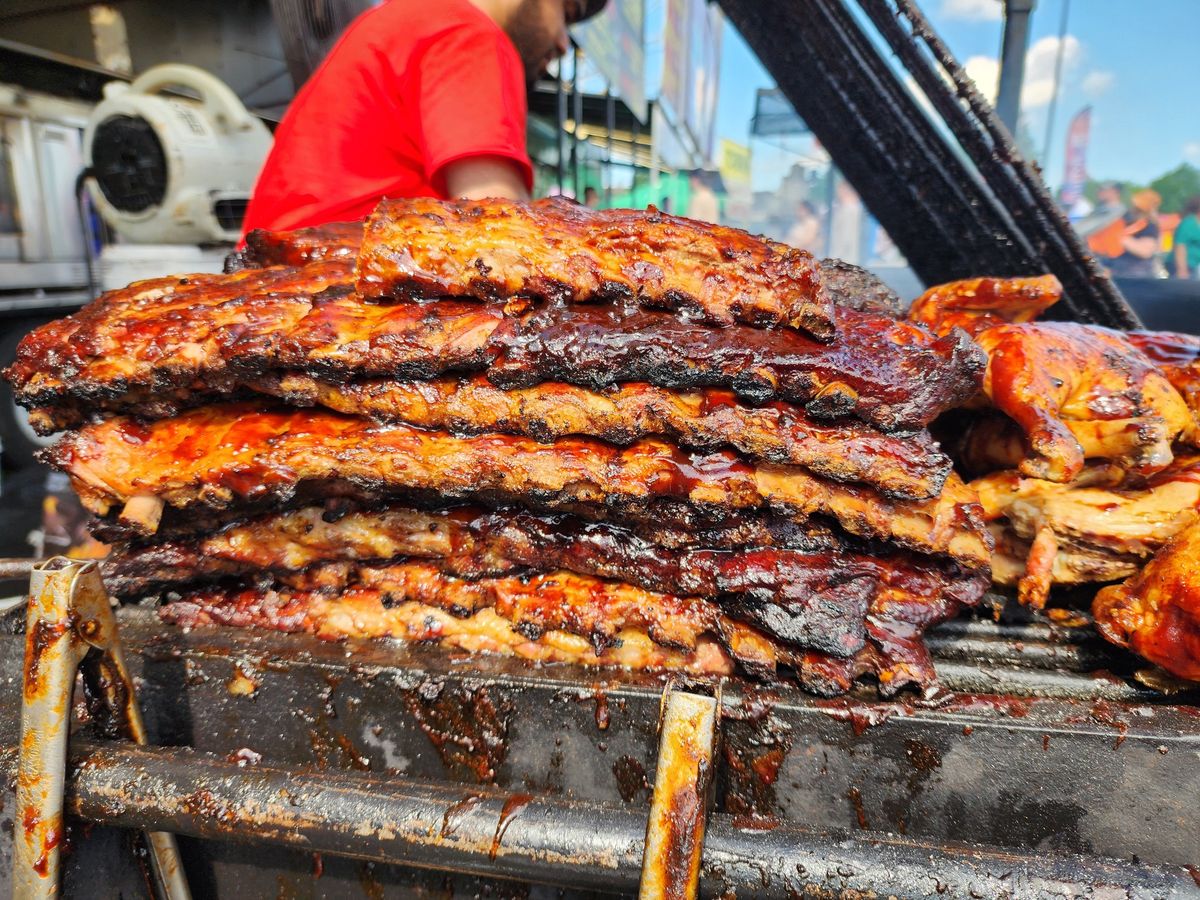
(1177, 187)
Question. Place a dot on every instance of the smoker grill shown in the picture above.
(295, 768)
(314, 769)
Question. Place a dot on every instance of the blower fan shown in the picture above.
(169, 169)
(309, 28)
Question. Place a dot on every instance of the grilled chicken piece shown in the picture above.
(556, 250)
(1156, 613)
(1178, 355)
(1074, 390)
(239, 457)
(989, 441)
(976, 304)
(1092, 529)
(904, 466)
(814, 600)
(1046, 375)
(157, 345)
(1074, 563)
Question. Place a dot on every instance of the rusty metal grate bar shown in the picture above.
(551, 841)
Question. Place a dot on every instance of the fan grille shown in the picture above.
(129, 163)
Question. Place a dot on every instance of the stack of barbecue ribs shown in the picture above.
(614, 438)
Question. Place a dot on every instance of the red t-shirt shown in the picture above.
(411, 86)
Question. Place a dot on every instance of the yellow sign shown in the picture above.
(735, 162)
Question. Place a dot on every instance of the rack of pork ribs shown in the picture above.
(612, 438)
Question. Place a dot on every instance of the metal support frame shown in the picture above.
(70, 628)
(610, 125)
(560, 140)
(1014, 46)
(545, 840)
(679, 806)
(577, 120)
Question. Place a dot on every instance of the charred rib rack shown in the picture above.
(555, 249)
(174, 342)
(608, 439)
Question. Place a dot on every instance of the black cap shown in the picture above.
(590, 8)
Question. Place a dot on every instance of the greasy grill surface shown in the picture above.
(238, 456)
(206, 335)
(496, 250)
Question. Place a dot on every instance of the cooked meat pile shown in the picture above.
(613, 438)
(1084, 444)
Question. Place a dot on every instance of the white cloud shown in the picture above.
(1039, 71)
(973, 10)
(985, 72)
(1039, 68)
(1098, 82)
(1191, 152)
(1040, 62)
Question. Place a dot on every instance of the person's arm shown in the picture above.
(1141, 247)
(477, 177)
(1143, 243)
(471, 99)
(1181, 266)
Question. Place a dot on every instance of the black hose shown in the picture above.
(86, 231)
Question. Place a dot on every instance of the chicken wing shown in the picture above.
(1157, 612)
(979, 303)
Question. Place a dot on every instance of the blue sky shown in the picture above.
(1137, 64)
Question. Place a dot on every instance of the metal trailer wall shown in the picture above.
(235, 40)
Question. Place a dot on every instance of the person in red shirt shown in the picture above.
(417, 98)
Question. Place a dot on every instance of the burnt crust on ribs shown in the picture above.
(847, 284)
(888, 373)
(853, 287)
(209, 334)
(814, 600)
(230, 458)
(497, 250)
(534, 617)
